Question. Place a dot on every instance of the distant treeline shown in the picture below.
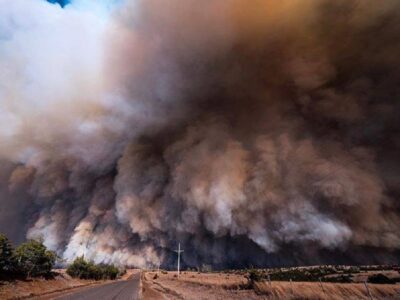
(323, 274)
(32, 259)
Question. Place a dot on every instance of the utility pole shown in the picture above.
(179, 251)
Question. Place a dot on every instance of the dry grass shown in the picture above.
(195, 286)
(211, 286)
(226, 281)
(315, 290)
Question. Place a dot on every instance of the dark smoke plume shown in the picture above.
(253, 132)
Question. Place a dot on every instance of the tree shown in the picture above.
(34, 259)
(6, 257)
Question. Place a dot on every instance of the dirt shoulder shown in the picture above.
(210, 286)
(48, 289)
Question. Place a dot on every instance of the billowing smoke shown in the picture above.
(253, 132)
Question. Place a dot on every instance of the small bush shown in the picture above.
(83, 269)
(380, 279)
(108, 271)
(252, 277)
(255, 275)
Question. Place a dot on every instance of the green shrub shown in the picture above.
(253, 276)
(33, 259)
(108, 271)
(83, 269)
(381, 279)
(80, 268)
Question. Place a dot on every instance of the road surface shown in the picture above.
(119, 290)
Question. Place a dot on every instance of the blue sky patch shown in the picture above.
(61, 2)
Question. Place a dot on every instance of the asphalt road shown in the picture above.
(119, 290)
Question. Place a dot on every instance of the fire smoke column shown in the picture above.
(259, 133)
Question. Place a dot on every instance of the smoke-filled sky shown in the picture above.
(252, 132)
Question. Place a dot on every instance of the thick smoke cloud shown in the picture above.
(258, 133)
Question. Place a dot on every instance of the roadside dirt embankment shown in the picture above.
(48, 289)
